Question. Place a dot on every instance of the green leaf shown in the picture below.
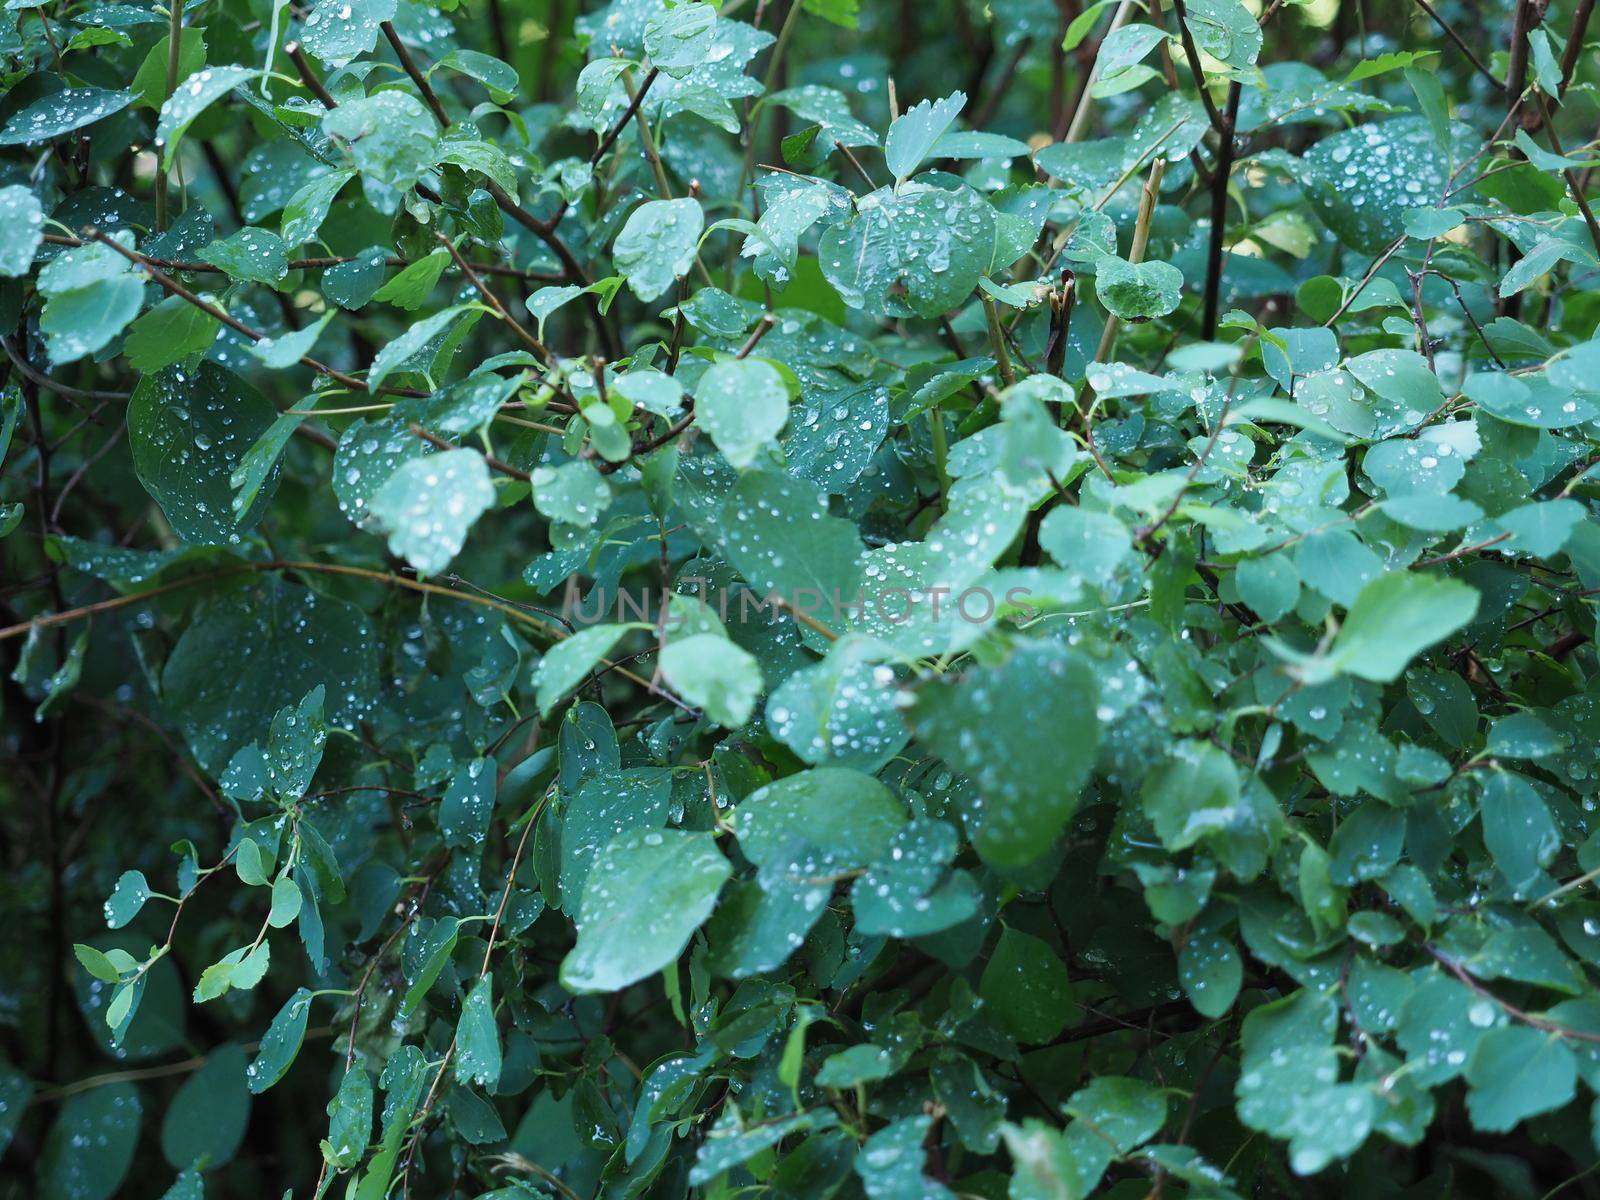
(714, 675)
(279, 642)
(478, 1058)
(21, 229)
(1396, 617)
(912, 136)
(336, 31)
(1028, 773)
(390, 136)
(647, 893)
(915, 251)
(743, 405)
(280, 1044)
(127, 898)
(250, 255)
(1225, 30)
(1517, 828)
(190, 431)
(349, 1119)
(105, 1118)
(60, 113)
(205, 1119)
(565, 664)
(169, 333)
(306, 210)
(657, 245)
(192, 97)
(468, 803)
(429, 504)
(92, 297)
(1518, 1072)
(1210, 971)
(1137, 291)
(1025, 987)
(411, 286)
(679, 39)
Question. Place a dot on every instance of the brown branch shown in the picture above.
(544, 230)
(521, 330)
(1461, 44)
(1192, 54)
(233, 323)
(504, 468)
(1517, 1014)
(1574, 50)
(1219, 213)
(1569, 175)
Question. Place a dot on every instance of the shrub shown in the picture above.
(909, 602)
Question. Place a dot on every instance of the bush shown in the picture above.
(940, 600)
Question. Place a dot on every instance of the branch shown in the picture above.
(1192, 54)
(1461, 44)
(1219, 214)
(233, 323)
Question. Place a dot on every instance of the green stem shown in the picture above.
(941, 454)
(997, 340)
(174, 52)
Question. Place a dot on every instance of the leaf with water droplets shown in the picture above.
(1364, 180)
(893, 1162)
(250, 255)
(841, 711)
(92, 295)
(715, 675)
(126, 899)
(1137, 291)
(279, 642)
(337, 31)
(391, 138)
(468, 804)
(574, 492)
(845, 814)
(190, 431)
(191, 98)
(1210, 971)
(911, 892)
(349, 1119)
(21, 229)
(918, 251)
(398, 352)
(914, 133)
(90, 1146)
(429, 504)
(646, 894)
(62, 112)
(743, 405)
(1225, 30)
(657, 245)
(368, 454)
(1028, 772)
(478, 1057)
(679, 38)
(603, 806)
(777, 531)
(281, 1043)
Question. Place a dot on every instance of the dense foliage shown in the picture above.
(925, 601)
